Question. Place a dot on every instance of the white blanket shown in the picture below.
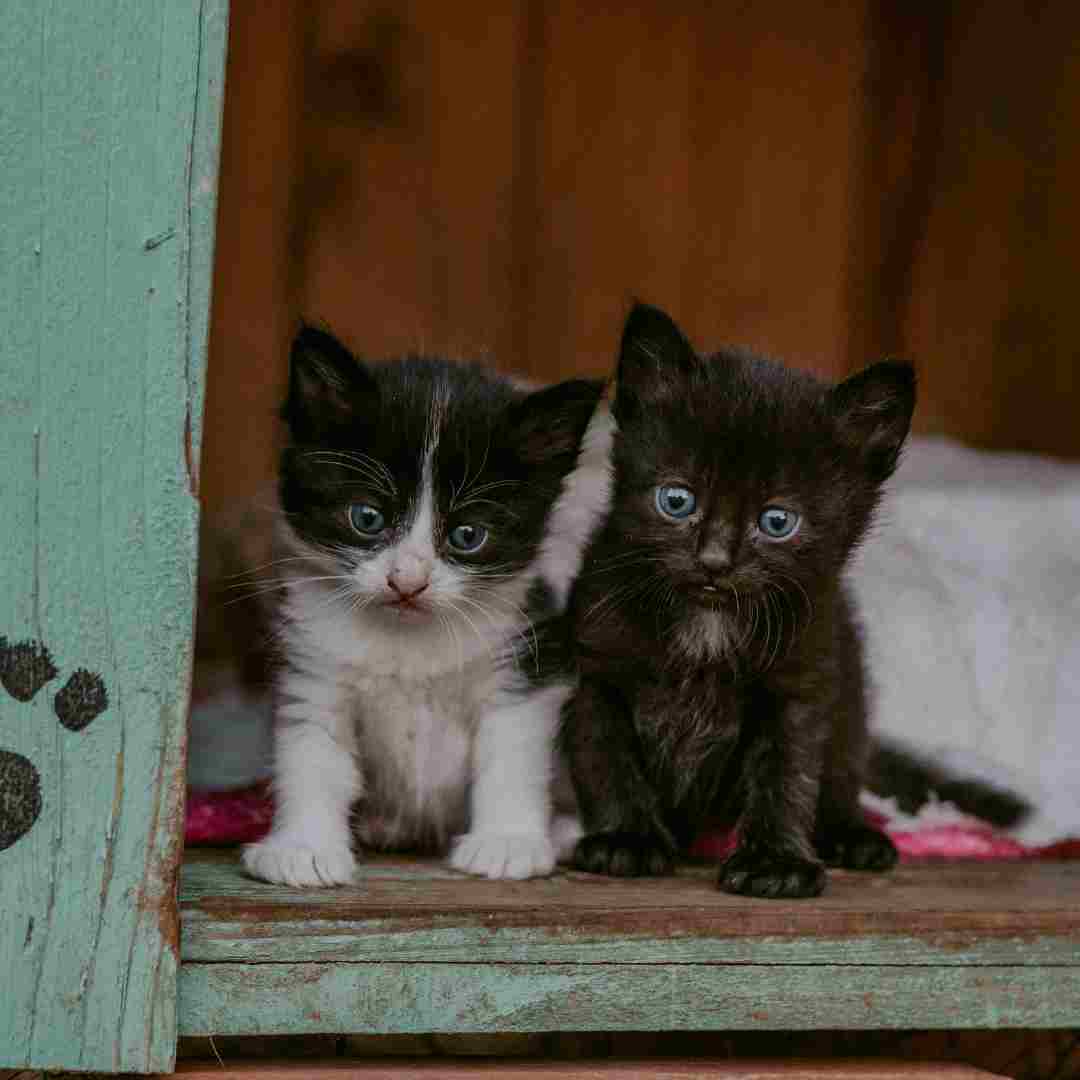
(970, 595)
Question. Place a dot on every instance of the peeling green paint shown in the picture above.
(413, 948)
(109, 126)
(269, 999)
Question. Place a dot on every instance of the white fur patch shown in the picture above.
(932, 814)
(706, 635)
(970, 596)
(315, 783)
(510, 813)
(504, 855)
(584, 502)
(299, 860)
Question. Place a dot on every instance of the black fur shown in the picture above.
(769, 730)
(509, 447)
(913, 780)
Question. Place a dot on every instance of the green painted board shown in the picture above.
(406, 911)
(109, 132)
(413, 948)
(269, 999)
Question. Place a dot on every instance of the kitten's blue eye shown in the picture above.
(777, 523)
(674, 501)
(366, 520)
(467, 538)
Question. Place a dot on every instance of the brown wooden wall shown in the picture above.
(824, 182)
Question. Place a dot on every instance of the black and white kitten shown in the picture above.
(418, 505)
(721, 670)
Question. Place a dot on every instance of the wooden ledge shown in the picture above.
(600, 1070)
(413, 947)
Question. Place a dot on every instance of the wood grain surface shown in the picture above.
(608, 1070)
(827, 183)
(413, 947)
(416, 910)
(109, 132)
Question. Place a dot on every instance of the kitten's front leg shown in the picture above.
(510, 806)
(316, 781)
(624, 832)
(781, 776)
(843, 836)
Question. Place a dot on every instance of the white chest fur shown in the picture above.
(415, 738)
(404, 701)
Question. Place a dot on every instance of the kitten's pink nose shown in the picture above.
(715, 559)
(407, 590)
(408, 576)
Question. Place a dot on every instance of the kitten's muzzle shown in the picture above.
(713, 583)
(714, 596)
(715, 559)
(407, 599)
(712, 592)
(406, 594)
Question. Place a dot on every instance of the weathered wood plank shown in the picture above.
(264, 999)
(592, 1070)
(409, 178)
(992, 316)
(897, 143)
(416, 911)
(605, 197)
(255, 306)
(777, 109)
(1011, 1052)
(108, 140)
(622, 1067)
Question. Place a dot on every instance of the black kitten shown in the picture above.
(721, 670)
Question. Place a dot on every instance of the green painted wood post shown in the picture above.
(109, 134)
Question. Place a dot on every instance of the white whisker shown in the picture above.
(522, 632)
(465, 615)
(373, 470)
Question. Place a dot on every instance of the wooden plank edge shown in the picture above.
(209, 941)
(314, 999)
(855, 1069)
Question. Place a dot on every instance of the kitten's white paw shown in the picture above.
(503, 855)
(285, 862)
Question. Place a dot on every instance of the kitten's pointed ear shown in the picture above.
(654, 359)
(873, 414)
(327, 384)
(546, 428)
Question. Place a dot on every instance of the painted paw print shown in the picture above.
(25, 668)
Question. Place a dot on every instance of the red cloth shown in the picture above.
(228, 817)
(971, 839)
(238, 817)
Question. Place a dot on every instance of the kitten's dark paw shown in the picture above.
(858, 847)
(771, 874)
(623, 854)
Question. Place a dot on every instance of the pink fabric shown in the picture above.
(228, 817)
(971, 840)
(238, 817)
(937, 842)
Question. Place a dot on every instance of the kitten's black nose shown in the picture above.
(715, 559)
